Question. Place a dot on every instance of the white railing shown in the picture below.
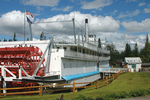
(73, 54)
(115, 70)
(5, 69)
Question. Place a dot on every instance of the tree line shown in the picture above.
(115, 55)
(42, 37)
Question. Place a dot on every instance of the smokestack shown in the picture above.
(86, 30)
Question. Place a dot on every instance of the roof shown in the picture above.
(71, 77)
(145, 64)
(133, 60)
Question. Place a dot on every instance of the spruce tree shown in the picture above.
(99, 43)
(135, 52)
(14, 39)
(145, 52)
(127, 52)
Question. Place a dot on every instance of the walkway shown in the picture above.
(137, 98)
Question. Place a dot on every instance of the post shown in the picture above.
(41, 89)
(113, 77)
(106, 81)
(74, 87)
(97, 84)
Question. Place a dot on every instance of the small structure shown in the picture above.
(134, 63)
(145, 66)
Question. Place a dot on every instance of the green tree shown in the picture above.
(113, 53)
(99, 43)
(145, 52)
(127, 52)
(110, 46)
(5, 40)
(135, 52)
(14, 39)
(10, 40)
(27, 39)
(42, 36)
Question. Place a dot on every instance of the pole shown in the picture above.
(24, 24)
(30, 31)
(74, 30)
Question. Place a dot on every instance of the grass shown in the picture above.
(125, 82)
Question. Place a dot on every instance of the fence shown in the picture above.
(40, 90)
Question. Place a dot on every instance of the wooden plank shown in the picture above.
(17, 88)
(57, 90)
(27, 92)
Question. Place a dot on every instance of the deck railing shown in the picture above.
(71, 54)
(97, 84)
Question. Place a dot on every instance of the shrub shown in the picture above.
(141, 92)
(124, 94)
(101, 97)
(82, 97)
(148, 91)
(113, 95)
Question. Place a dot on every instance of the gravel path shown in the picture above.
(137, 98)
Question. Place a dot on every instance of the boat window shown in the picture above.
(65, 48)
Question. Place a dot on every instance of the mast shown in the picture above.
(30, 32)
(86, 30)
(74, 31)
(24, 24)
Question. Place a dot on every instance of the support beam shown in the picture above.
(49, 44)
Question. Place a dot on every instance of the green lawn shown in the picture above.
(125, 82)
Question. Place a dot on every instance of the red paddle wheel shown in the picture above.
(26, 57)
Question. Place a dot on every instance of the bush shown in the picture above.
(101, 98)
(141, 92)
(124, 94)
(82, 97)
(113, 95)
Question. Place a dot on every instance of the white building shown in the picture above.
(133, 63)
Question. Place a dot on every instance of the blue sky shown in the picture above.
(118, 21)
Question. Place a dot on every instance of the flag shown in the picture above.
(28, 13)
(29, 17)
(28, 20)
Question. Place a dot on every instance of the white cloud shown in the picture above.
(114, 12)
(39, 8)
(66, 9)
(120, 39)
(11, 22)
(50, 3)
(147, 10)
(96, 4)
(104, 27)
(14, 22)
(137, 27)
(129, 14)
(141, 4)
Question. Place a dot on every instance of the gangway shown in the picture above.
(108, 71)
